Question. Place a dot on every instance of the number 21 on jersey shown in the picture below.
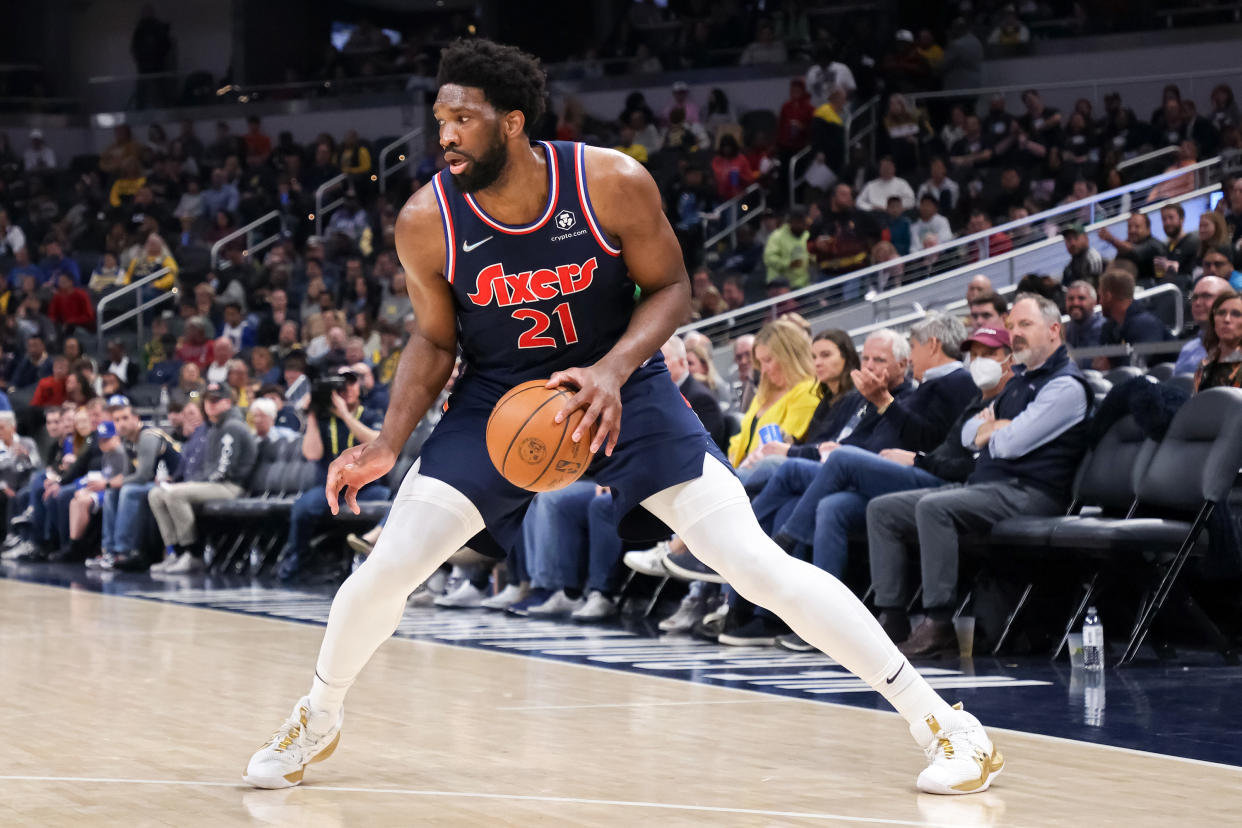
(533, 337)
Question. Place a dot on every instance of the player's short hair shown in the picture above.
(510, 78)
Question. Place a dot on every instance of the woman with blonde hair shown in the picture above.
(788, 392)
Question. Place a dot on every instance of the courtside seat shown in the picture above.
(1099, 386)
(1123, 373)
(1105, 485)
(1191, 471)
(1161, 372)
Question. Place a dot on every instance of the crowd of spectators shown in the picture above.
(233, 352)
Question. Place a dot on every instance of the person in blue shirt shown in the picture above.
(1193, 352)
(1219, 263)
(55, 261)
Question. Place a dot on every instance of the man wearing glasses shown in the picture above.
(1219, 263)
(1205, 293)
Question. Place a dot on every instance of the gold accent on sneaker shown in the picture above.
(988, 765)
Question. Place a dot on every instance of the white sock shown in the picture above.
(713, 516)
(369, 605)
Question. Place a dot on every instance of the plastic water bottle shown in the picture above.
(1092, 642)
(161, 474)
(164, 401)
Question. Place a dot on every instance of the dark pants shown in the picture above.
(312, 506)
(834, 501)
(939, 517)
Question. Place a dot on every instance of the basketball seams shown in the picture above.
(504, 463)
(555, 454)
(511, 395)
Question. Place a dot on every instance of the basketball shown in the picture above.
(528, 447)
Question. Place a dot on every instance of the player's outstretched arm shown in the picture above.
(627, 204)
(427, 360)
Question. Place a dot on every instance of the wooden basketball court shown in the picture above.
(124, 711)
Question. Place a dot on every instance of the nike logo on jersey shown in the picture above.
(466, 247)
(506, 289)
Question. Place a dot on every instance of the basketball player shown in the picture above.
(526, 255)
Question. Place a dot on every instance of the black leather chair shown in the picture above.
(1099, 386)
(1161, 372)
(1123, 373)
(1190, 472)
(1104, 486)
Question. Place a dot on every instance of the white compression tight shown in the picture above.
(431, 520)
(713, 516)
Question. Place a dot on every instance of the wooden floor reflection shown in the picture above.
(124, 711)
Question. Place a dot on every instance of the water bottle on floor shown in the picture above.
(1092, 642)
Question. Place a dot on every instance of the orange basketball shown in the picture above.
(528, 447)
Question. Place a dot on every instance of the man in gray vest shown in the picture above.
(1029, 440)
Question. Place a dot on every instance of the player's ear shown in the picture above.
(514, 123)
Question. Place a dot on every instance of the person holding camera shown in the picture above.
(336, 421)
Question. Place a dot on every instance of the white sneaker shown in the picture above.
(649, 561)
(689, 613)
(184, 565)
(598, 606)
(304, 738)
(101, 561)
(504, 599)
(15, 552)
(962, 758)
(465, 596)
(558, 603)
(162, 565)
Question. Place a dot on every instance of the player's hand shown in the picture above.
(355, 468)
(599, 392)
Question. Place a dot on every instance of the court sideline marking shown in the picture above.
(567, 800)
(682, 682)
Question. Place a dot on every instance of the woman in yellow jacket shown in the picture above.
(788, 392)
(155, 256)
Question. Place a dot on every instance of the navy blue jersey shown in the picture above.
(540, 298)
(534, 300)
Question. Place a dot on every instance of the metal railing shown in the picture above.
(935, 275)
(321, 192)
(735, 212)
(904, 321)
(403, 160)
(868, 110)
(140, 307)
(251, 248)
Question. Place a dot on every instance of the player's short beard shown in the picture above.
(484, 170)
